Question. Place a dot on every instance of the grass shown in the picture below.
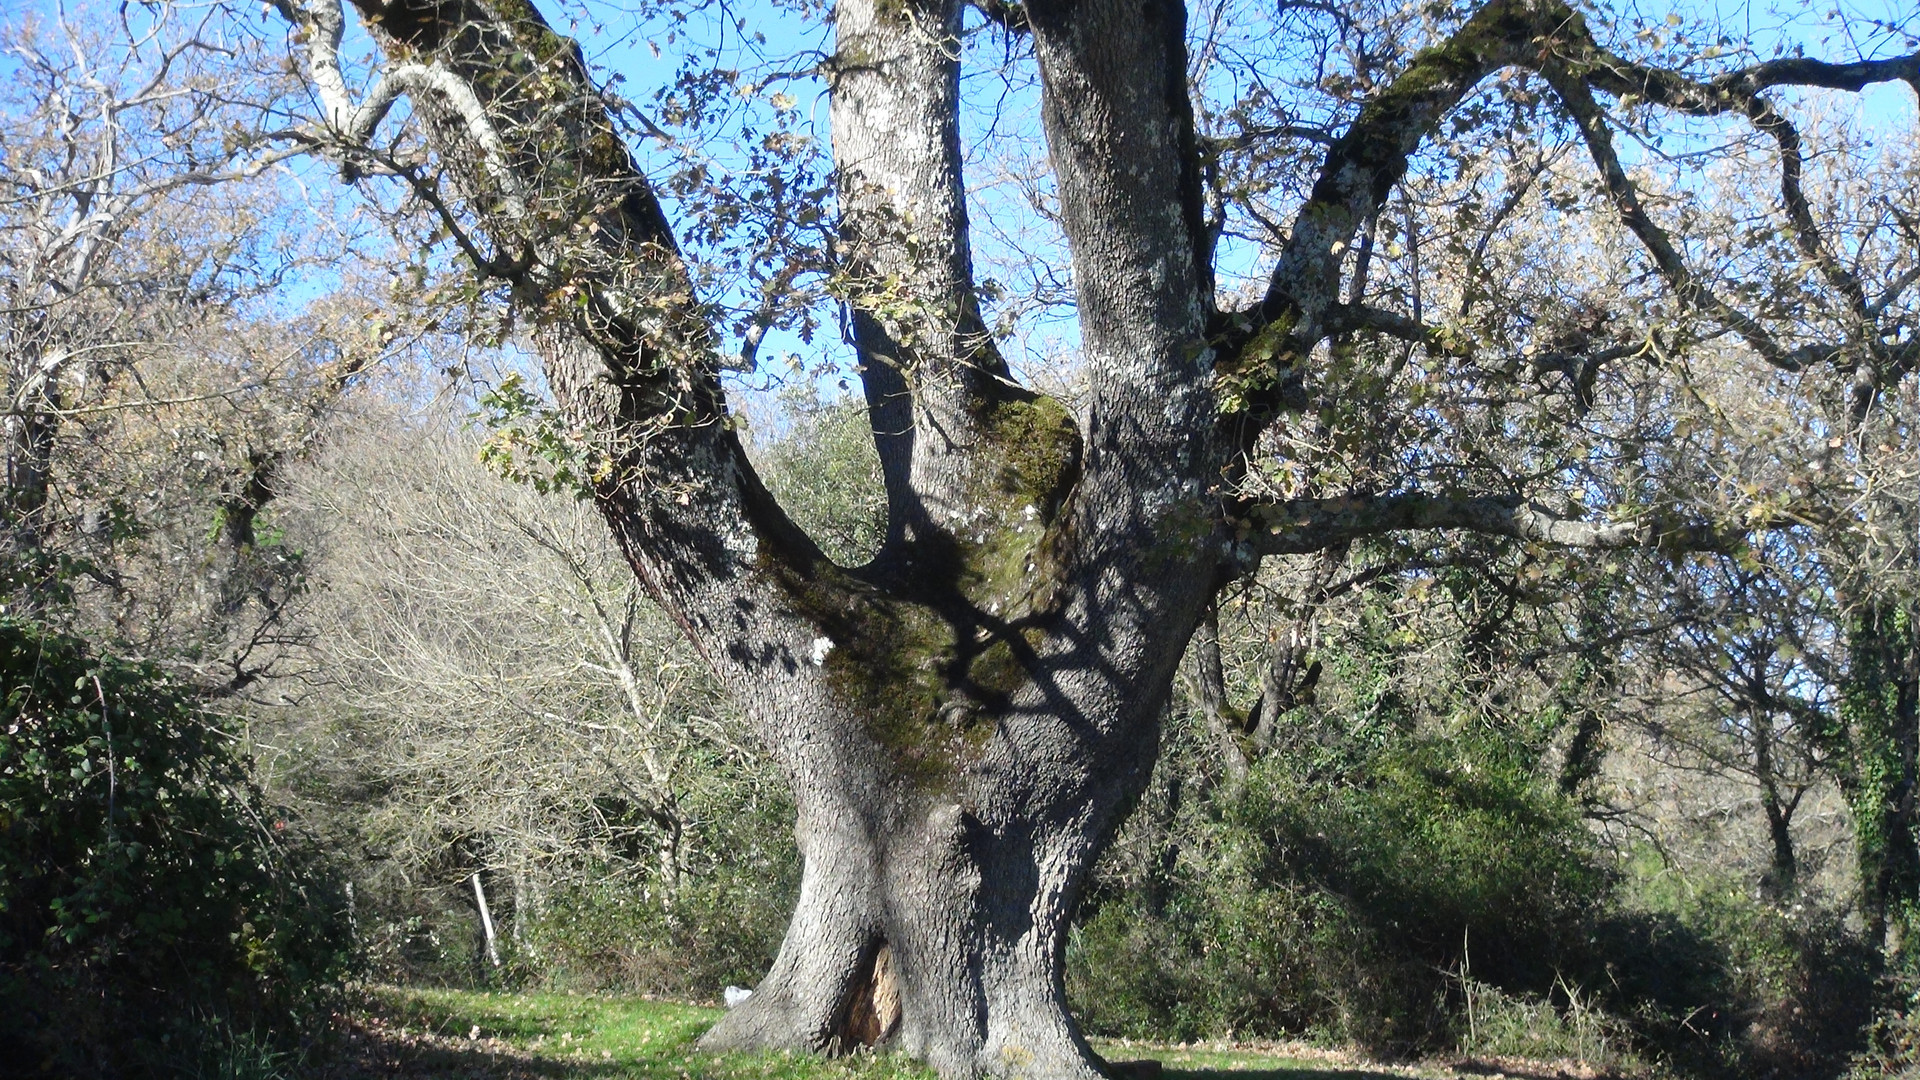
(421, 1034)
(456, 1033)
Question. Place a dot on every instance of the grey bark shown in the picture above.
(928, 366)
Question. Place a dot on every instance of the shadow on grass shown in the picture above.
(1181, 1064)
(371, 1053)
(400, 1034)
(1303, 1072)
(423, 1057)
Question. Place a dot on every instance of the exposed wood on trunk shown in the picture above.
(873, 1003)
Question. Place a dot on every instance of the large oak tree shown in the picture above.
(966, 718)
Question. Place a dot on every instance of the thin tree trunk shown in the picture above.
(1289, 678)
(486, 920)
(1593, 674)
(1783, 869)
(30, 428)
(1211, 680)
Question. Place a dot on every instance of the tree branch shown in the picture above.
(1262, 349)
(1730, 91)
(542, 172)
(1580, 66)
(1120, 131)
(929, 368)
(1262, 346)
(1301, 526)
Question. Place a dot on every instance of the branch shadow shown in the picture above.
(1279, 1073)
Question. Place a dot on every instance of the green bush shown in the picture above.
(719, 929)
(1339, 907)
(1434, 896)
(1720, 982)
(150, 900)
(1891, 1046)
(621, 927)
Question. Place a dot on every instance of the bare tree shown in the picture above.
(486, 663)
(106, 127)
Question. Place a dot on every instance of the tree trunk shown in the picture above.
(936, 918)
(965, 721)
(30, 428)
(1880, 713)
(1783, 869)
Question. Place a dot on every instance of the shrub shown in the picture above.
(1431, 896)
(1562, 1026)
(619, 926)
(721, 929)
(1892, 1038)
(149, 898)
(1718, 981)
(1338, 905)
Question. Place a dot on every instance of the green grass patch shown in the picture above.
(448, 1033)
(576, 1036)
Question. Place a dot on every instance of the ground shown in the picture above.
(412, 1034)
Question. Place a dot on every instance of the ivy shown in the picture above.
(529, 443)
(1876, 738)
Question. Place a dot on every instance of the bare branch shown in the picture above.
(1360, 169)
(1301, 526)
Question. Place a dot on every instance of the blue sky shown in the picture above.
(642, 45)
(774, 44)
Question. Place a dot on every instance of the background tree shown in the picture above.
(491, 693)
(157, 382)
(106, 132)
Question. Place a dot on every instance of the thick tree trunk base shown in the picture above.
(946, 948)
